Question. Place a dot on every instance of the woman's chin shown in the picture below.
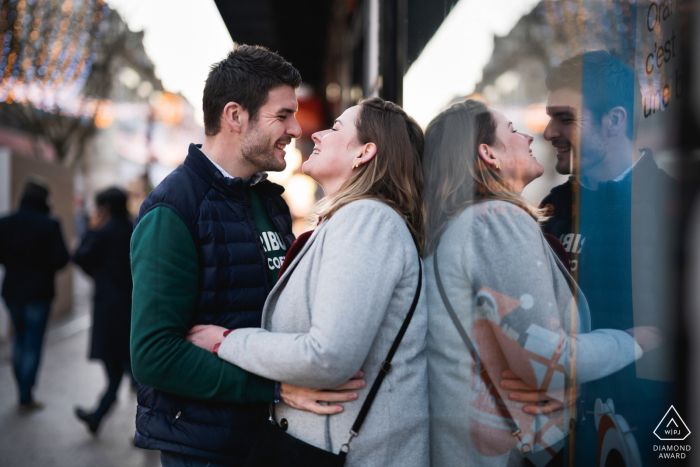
(305, 169)
(538, 169)
(534, 176)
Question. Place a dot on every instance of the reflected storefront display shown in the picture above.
(583, 311)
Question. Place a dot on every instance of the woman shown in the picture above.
(502, 313)
(339, 304)
(104, 255)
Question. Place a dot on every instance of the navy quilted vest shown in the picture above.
(233, 287)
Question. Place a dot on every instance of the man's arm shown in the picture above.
(165, 270)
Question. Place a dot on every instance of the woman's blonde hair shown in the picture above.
(455, 175)
(394, 175)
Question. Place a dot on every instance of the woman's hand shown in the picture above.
(98, 219)
(541, 402)
(308, 399)
(206, 336)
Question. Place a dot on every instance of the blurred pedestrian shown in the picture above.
(32, 250)
(104, 255)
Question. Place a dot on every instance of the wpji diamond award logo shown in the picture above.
(672, 428)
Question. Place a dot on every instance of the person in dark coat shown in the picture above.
(104, 255)
(32, 250)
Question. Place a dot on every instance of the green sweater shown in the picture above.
(165, 270)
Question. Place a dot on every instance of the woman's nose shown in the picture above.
(318, 136)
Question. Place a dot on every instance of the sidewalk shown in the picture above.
(53, 436)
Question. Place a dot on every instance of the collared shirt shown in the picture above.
(629, 169)
(255, 179)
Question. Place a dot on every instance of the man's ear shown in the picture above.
(615, 121)
(486, 154)
(369, 150)
(234, 118)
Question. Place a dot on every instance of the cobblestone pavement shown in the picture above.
(52, 436)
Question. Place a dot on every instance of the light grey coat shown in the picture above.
(512, 296)
(336, 310)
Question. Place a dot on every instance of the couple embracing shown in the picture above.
(203, 275)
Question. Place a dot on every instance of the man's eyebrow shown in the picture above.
(287, 111)
(559, 111)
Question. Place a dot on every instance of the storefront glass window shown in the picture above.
(552, 279)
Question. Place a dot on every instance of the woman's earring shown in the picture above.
(497, 165)
(356, 163)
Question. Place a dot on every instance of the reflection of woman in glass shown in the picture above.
(339, 304)
(502, 316)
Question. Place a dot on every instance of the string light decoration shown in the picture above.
(48, 51)
(574, 26)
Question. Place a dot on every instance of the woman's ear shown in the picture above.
(234, 118)
(487, 154)
(369, 150)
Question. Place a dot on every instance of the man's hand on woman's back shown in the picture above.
(309, 399)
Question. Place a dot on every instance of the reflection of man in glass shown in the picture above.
(593, 139)
(612, 217)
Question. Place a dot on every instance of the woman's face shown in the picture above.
(335, 150)
(512, 150)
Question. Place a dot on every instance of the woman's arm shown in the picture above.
(209, 337)
(89, 254)
(364, 257)
(519, 307)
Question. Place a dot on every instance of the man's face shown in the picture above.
(273, 129)
(573, 132)
(564, 127)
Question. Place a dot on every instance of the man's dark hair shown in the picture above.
(115, 199)
(35, 194)
(246, 77)
(603, 81)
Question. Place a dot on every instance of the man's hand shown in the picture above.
(206, 336)
(648, 337)
(308, 399)
(542, 403)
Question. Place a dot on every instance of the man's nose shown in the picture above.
(550, 131)
(295, 129)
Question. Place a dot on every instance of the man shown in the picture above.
(593, 141)
(104, 255)
(611, 216)
(206, 249)
(32, 251)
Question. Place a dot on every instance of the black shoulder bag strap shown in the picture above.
(500, 404)
(385, 368)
